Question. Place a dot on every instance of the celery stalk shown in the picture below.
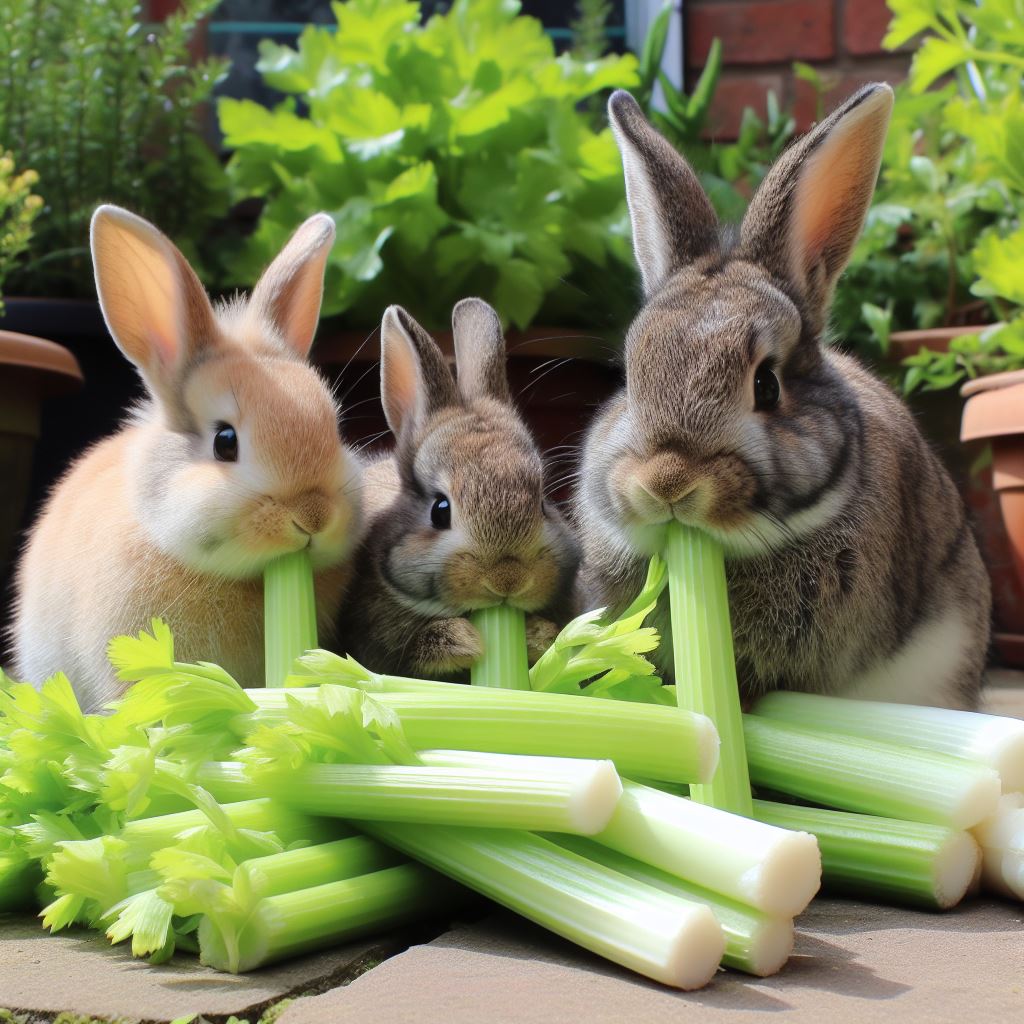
(854, 774)
(771, 869)
(496, 792)
(504, 662)
(988, 739)
(18, 878)
(289, 613)
(672, 940)
(705, 669)
(314, 918)
(648, 740)
(1002, 846)
(755, 942)
(311, 866)
(880, 858)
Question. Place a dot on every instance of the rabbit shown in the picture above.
(233, 457)
(456, 516)
(851, 565)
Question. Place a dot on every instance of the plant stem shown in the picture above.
(289, 614)
(504, 662)
(705, 669)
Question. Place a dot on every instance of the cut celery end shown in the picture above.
(705, 667)
(1002, 844)
(855, 774)
(648, 740)
(291, 923)
(864, 855)
(677, 942)
(596, 784)
(771, 869)
(988, 739)
(289, 614)
(493, 793)
(504, 662)
(311, 866)
(755, 942)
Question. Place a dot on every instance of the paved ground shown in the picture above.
(853, 963)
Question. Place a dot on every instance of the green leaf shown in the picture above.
(999, 263)
(934, 58)
(518, 292)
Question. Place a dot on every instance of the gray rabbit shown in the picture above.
(851, 565)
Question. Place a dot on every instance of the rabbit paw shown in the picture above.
(540, 635)
(448, 645)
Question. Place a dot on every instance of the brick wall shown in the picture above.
(762, 38)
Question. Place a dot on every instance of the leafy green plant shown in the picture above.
(944, 243)
(105, 107)
(453, 158)
(19, 207)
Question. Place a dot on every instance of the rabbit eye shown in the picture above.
(766, 387)
(441, 513)
(225, 443)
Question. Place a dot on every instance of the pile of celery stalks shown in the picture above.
(251, 825)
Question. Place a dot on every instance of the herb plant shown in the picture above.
(19, 207)
(105, 107)
(452, 156)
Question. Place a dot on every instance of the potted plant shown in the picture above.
(30, 369)
(104, 107)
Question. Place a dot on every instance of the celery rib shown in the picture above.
(504, 662)
(705, 668)
(671, 940)
(652, 741)
(855, 774)
(289, 614)
(1001, 837)
(988, 739)
(881, 858)
(496, 793)
(771, 869)
(755, 942)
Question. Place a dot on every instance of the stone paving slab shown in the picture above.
(80, 971)
(853, 963)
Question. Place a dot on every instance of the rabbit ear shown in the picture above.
(415, 380)
(154, 306)
(479, 351)
(805, 218)
(674, 222)
(290, 290)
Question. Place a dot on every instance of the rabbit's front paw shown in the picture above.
(540, 635)
(448, 645)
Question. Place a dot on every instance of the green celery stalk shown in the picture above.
(651, 741)
(771, 869)
(504, 662)
(497, 792)
(311, 866)
(705, 668)
(296, 922)
(877, 858)
(988, 739)
(675, 941)
(289, 613)
(755, 942)
(855, 774)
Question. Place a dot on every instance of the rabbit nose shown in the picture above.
(311, 512)
(508, 578)
(667, 478)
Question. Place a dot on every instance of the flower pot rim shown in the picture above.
(53, 366)
(992, 382)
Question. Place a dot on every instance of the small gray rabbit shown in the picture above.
(455, 516)
(851, 565)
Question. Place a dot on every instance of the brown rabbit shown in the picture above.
(234, 458)
(851, 565)
(456, 517)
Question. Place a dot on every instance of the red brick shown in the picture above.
(864, 24)
(760, 32)
(734, 94)
(840, 85)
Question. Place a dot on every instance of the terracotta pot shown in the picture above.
(559, 378)
(31, 371)
(994, 412)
